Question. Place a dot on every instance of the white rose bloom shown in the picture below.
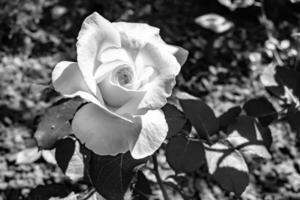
(126, 72)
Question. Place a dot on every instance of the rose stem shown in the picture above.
(159, 181)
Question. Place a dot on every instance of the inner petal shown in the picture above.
(146, 75)
(123, 76)
(118, 85)
(113, 54)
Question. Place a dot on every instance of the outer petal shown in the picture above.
(180, 53)
(139, 31)
(68, 80)
(96, 35)
(166, 68)
(153, 133)
(144, 33)
(104, 133)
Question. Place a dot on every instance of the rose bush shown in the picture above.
(126, 72)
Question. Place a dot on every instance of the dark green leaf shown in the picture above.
(64, 150)
(175, 119)
(111, 175)
(262, 109)
(229, 116)
(185, 155)
(248, 128)
(293, 118)
(201, 116)
(247, 147)
(232, 179)
(55, 123)
(289, 78)
(69, 158)
(142, 189)
(43, 192)
(227, 167)
(277, 91)
(266, 135)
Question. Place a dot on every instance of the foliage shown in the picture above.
(210, 138)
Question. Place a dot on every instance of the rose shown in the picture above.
(126, 72)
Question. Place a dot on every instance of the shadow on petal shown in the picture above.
(103, 132)
(153, 133)
(166, 67)
(68, 80)
(96, 34)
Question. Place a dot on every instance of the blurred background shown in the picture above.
(230, 43)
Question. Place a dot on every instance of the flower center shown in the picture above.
(124, 76)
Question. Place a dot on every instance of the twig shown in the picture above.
(158, 178)
(88, 195)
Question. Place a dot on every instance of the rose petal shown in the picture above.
(105, 69)
(115, 95)
(180, 53)
(166, 68)
(153, 133)
(114, 54)
(68, 80)
(104, 133)
(131, 106)
(140, 31)
(143, 33)
(96, 35)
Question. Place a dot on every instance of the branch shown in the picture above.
(158, 178)
(88, 195)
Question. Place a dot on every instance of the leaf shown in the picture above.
(229, 116)
(28, 156)
(267, 76)
(266, 135)
(55, 123)
(201, 116)
(247, 134)
(289, 78)
(227, 167)
(142, 189)
(214, 22)
(111, 175)
(179, 179)
(38, 88)
(268, 80)
(185, 155)
(48, 191)
(235, 4)
(262, 109)
(175, 119)
(293, 118)
(44, 91)
(73, 196)
(96, 196)
(247, 147)
(49, 156)
(69, 158)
